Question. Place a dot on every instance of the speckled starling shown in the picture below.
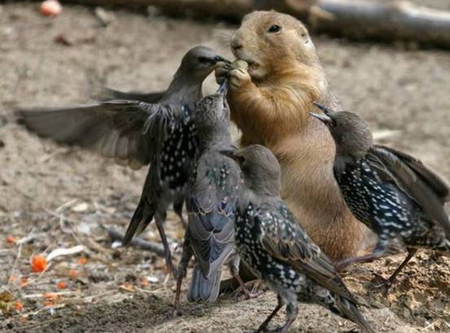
(277, 249)
(139, 133)
(211, 200)
(392, 193)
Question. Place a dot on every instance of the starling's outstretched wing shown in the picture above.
(155, 97)
(211, 206)
(129, 131)
(418, 182)
(284, 239)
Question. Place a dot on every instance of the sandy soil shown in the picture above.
(62, 197)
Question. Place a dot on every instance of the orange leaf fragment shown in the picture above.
(144, 282)
(24, 281)
(11, 239)
(127, 286)
(73, 273)
(50, 299)
(19, 306)
(12, 279)
(82, 260)
(62, 285)
(39, 263)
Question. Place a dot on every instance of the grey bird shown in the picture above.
(136, 133)
(275, 247)
(389, 191)
(211, 201)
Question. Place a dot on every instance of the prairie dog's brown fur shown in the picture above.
(270, 103)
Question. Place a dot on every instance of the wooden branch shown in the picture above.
(138, 242)
(385, 20)
(361, 19)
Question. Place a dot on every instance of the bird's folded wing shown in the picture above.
(418, 182)
(211, 246)
(211, 206)
(129, 131)
(284, 239)
(108, 94)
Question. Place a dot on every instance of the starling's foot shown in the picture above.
(340, 265)
(175, 313)
(171, 269)
(244, 293)
(385, 284)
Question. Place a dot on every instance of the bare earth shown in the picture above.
(64, 197)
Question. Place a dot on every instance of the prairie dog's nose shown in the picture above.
(237, 42)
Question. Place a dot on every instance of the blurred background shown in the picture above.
(53, 197)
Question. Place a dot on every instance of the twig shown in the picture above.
(137, 242)
(13, 268)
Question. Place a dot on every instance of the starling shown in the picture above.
(210, 200)
(137, 133)
(392, 193)
(277, 249)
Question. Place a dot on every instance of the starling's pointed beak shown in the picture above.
(231, 154)
(326, 110)
(218, 58)
(323, 118)
(223, 89)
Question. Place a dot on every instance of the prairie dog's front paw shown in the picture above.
(239, 77)
(222, 72)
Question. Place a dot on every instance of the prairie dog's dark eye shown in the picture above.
(203, 60)
(274, 28)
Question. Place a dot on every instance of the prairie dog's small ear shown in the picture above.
(304, 36)
(305, 40)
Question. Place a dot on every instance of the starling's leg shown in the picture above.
(230, 285)
(377, 253)
(234, 268)
(181, 273)
(178, 209)
(367, 258)
(291, 313)
(387, 283)
(159, 219)
(263, 326)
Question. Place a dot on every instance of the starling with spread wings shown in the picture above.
(138, 133)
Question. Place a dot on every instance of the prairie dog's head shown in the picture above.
(268, 41)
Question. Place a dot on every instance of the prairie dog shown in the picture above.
(270, 103)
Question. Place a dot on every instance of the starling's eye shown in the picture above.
(204, 60)
(274, 28)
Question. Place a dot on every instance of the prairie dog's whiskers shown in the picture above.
(224, 36)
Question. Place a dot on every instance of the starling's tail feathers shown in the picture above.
(349, 310)
(202, 288)
(142, 217)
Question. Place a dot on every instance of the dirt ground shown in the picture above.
(58, 198)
